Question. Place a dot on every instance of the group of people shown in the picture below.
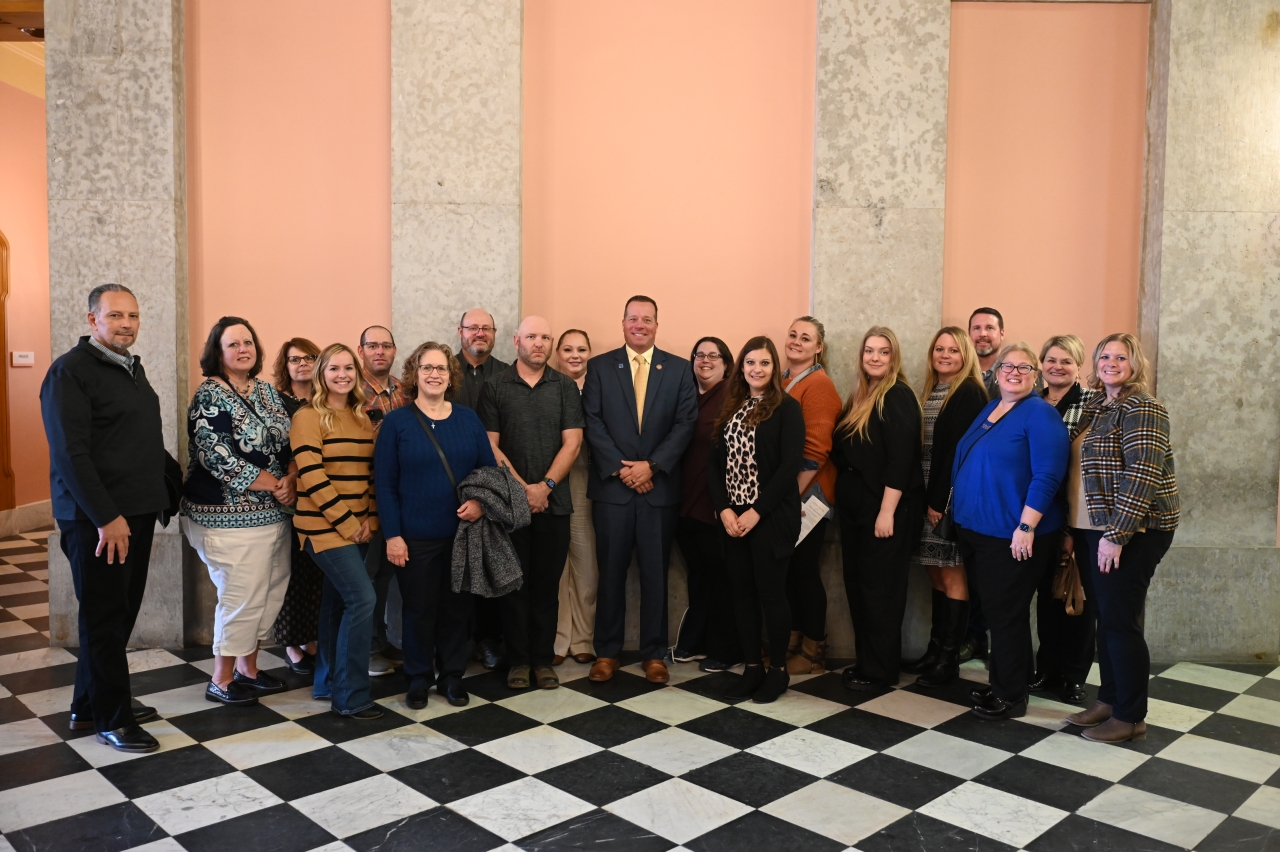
(329, 506)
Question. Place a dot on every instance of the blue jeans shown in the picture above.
(346, 628)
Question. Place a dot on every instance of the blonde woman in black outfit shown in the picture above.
(879, 500)
(758, 451)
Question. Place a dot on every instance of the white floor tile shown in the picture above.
(1255, 709)
(266, 745)
(15, 544)
(676, 672)
(152, 658)
(35, 804)
(10, 569)
(40, 658)
(795, 708)
(809, 751)
(28, 733)
(39, 574)
(436, 707)
(36, 610)
(1262, 807)
(14, 628)
(164, 844)
(4, 693)
(569, 671)
(1210, 676)
(202, 803)
(550, 705)
(537, 749)
(1047, 713)
(400, 747)
(180, 701)
(952, 755)
(335, 846)
(99, 755)
(49, 701)
(520, 808)
(834, 811)
(678, 810)
(1237, 761)
(1175, 717)
(293, 704)
(24, 558)
(994, 813)
(674, 751)
(976, 671)
(1153, 816)
(9, 590)
(1098, 759)
(672, 706)
(362, 805)
(920, 710)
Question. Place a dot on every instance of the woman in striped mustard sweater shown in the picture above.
(332, 442)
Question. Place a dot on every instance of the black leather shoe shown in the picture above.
(1044, 683)
(974, 648)
(748, 682)
(980, 694)
(489, 654)
(995, 709)
(305, 666)
(850, 678)
(236, 694)
(1072, 693)
(130, 739)
(368, 714)
(454, 693)
(263, 684)
(416, 698)
(141, 713)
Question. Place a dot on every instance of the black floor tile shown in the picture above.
(603, 777)
(164, 771)
(387, 686)
(1241, 732)
(595, 830)
(304, 774)
(736, 727)
(1259, 669)
(828, 686)
(1266, 688)
(491, 686)
(221, 721)
(609, 726)
(1012, 736)
(28, 766)
(292, 679)
(16, 577)
(919, 833)
(1055, 786)
(481, 724)
(13, 710)
(760, 832)
(5, 615)
(38, 680)
(956, 692)
(21, 551)
(1238, 835)
(23, 600)
(456, 775)
(713, 686)
(275, 829)
(40, 622)
(1080, 834)
(439, 830)
(901, 782)
(60, 724)
(165, 679)
(340, 729)
(108, 829)
(1158, 739)
(194, 655)
(1190, 694)
(1274, 780)
(620, 687)
(749, 779)
(1191, 785)
(869, 730)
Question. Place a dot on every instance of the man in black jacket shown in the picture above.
(107, 476)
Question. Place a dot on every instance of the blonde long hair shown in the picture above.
(320, 391)
(970, 370)
(1139, 382)
(864, 398)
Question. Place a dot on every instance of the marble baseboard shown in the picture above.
(27, 517)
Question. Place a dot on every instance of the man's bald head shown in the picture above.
(476, 332)
(534, 342)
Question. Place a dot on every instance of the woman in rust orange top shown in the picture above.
(806, 380)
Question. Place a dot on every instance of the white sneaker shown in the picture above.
(380, 665)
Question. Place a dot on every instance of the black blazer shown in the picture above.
(670, 412)
(888, 456)
(779, 455)
(966, 403)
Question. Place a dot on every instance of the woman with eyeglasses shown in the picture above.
(1008, 468)
(708, 634)
(298, 624)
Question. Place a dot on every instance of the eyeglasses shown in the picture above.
(374, 347)
(295, 360)
(429, 369)
(476, 329)
(1020, 369)
(707, 356)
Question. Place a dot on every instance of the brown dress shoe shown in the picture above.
(1095, 715)
(603, 669)
(557, 659)
(584, 658)
(546, 677)
(655, 671)
(1115, 731)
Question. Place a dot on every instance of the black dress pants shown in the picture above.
(758, 579)
(110, 597)
(1121, 594)
(530, 613)
(645, 531)
(1066, 641)
(1007, 585)
(805, 592)
(709, 626)
(437, 620)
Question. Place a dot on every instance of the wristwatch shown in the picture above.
(551, 483)
(653, 466)
(1024, 528)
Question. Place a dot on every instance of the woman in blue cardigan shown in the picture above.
(1006, 475)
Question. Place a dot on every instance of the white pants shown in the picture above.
(250, 567)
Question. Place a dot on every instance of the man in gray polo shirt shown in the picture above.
(533, 415)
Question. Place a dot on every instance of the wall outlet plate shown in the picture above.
(22, 359)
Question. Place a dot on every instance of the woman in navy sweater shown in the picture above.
(420, 511)
(1006, 475)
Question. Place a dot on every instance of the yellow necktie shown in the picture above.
(641, 383)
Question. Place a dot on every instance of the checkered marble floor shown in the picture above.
(624, 765)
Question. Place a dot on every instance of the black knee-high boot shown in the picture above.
(936, 635)
(946, 667)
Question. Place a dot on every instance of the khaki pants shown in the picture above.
(575, 628)
(250, 568)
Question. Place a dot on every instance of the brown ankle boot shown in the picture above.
(811, 658)
(1095, 715)
(1115, 731)
(793, 645)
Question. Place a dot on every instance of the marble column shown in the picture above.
(880, 161)
(117, 212)
(1217, 596)
(455, 166)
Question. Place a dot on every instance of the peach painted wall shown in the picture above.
(24, 219)
(289, 168)
(1044, 166)
(668, 150)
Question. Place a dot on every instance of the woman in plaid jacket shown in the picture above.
(1122, 528)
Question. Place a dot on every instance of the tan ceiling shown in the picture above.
(17, 15)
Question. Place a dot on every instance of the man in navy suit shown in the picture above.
(641, 405)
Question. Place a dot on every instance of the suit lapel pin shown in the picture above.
(657, 366)
(620, 366)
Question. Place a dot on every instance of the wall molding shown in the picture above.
(27, 517)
